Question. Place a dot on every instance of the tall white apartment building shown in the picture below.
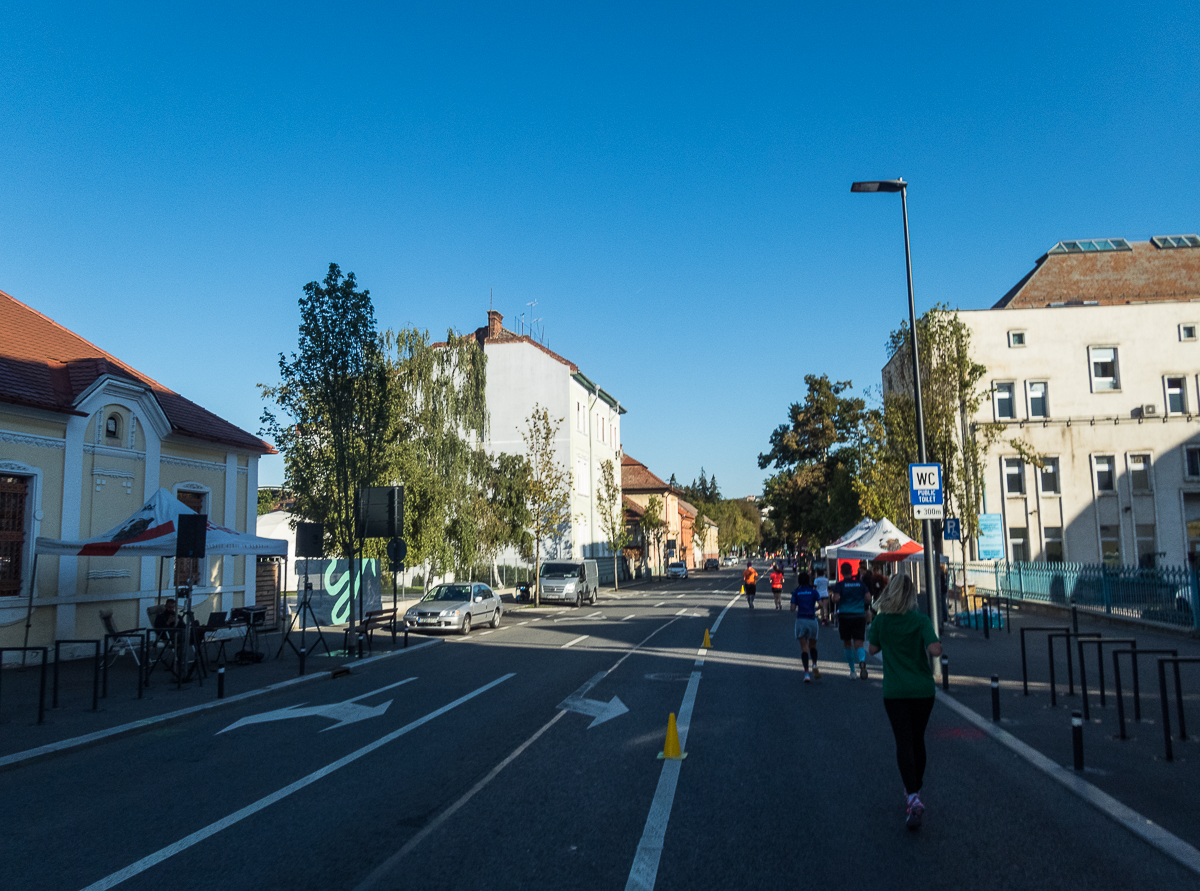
(521, 373)
(1093, 359)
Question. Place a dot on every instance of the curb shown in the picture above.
(19, 759)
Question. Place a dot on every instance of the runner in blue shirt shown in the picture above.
(852, 598)
(804, 604)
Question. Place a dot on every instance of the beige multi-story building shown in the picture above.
(85, 440)
(1093, 360)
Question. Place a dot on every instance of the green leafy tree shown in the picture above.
(266, 501)
(612, 512)
(549, 485)
(505, 517)
(816, 456)
(654, 529)
(334, 425)
(953, 390)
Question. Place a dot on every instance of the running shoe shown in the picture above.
(862, 670)
(915, 813)
(807, 678)
(816, 673)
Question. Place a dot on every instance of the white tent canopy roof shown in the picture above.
(151, 532)
(883, 543)
(862, 526)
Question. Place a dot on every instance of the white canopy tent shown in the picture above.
(883, 543)
(860, 528)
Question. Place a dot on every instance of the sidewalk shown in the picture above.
(1134, 771)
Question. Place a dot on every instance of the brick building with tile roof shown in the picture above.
(85, 440)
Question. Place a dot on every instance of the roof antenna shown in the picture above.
(531, 304)
(491, 302)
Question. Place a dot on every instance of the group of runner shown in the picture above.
(904, 635)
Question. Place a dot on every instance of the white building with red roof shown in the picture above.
(85, 440)
(522, 373)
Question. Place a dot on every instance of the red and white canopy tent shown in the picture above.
(152, 532)
(883, 543)
(860, 528)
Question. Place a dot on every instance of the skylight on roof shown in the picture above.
(1175, 241)
(1091, 246)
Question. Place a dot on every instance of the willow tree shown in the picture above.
(549, 493)
(612, 512)
(440, 421)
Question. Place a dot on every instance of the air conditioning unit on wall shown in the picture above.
(1149, 411)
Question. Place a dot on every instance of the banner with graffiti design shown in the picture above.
(331, 596)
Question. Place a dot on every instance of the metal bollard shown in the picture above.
(360, 637)
(946, 673)
(1077, 738)
(303, 654)
(221, 682)
(406, 635)
(996, 698)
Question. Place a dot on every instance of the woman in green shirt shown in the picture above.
(907, 640)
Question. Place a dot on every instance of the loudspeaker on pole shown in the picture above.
(310, 540)
(381, 511)
(190, 535)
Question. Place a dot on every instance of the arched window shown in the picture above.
(112, 426)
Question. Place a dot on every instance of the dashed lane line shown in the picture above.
(572, 643)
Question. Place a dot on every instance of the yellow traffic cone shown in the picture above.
(671, 744)
(707, 641)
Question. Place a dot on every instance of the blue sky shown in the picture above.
(670, 182)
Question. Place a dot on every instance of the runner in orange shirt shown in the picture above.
(777, 585)
(749, 577)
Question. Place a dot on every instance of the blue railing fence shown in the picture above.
(1166, 594)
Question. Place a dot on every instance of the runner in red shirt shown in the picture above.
(777, 585)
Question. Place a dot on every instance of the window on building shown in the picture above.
(1016, 338)
(1049, 477)
(1106, 479)
(1018, 543)
(1176, 395)
(112, 427)
(1139, 473)
(1187, 331)
(582, 478)
(13, 492)
(1110, 544)
(1039, 404)
(1105, 372)
(579, 417)
(1005, 407)
(1014, 476)
(1146, 546)
(1192, 461)
(1054, 544)
(1191, 516)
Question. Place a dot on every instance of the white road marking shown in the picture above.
(485, 633)
(526, 622)
(572, 643)
(1171, 845)
(593, 615)
(345, 712)
(677, 596)
(237, 816)
(538, 619)
(384, 868)
(597, 709)
(628, 617)
(660, 603)
(644, 871)
(682, 612)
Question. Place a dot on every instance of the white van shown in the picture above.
(569, 581)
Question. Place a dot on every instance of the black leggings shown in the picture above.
(909, 718)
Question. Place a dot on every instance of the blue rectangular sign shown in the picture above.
(952, 529)
(925, 484)
(991, 537)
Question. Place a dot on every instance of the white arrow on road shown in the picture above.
(596, 709)
(345, 712)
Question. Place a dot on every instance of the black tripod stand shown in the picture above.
(303, 613)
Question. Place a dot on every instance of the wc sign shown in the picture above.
(925, 490)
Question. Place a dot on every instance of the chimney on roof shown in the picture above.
(494, 326)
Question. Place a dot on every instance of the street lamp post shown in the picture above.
(899, 185)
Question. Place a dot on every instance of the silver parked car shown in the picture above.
(455, 607)
(677, 570)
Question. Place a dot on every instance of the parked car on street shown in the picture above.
(677, 570)
(455, 607)
(569, 581)
(712, 563)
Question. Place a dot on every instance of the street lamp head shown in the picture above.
(879, 185)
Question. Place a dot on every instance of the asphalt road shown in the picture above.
(473, 777)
